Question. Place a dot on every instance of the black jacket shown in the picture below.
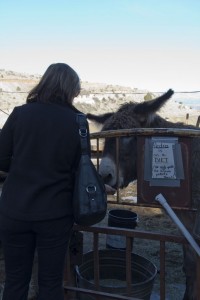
(40, 150)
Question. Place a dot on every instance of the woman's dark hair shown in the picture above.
(59, 84)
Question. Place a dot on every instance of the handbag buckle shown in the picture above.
(83, 132)
(91, 189)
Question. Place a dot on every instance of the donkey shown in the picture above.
(143, 115)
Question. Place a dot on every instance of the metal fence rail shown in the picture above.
(130, 234)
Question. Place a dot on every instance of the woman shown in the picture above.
(40, 150)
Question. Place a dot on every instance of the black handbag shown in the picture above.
(90, 197)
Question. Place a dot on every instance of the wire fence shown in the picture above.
(4, 112)
(86, 92)
(110, 92)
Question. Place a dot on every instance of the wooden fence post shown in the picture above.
(198, 121)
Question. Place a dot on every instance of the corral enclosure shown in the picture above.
(159, 227)
(152, 220)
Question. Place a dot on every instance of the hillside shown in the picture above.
(94, 97)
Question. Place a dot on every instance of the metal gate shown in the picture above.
(97, 231)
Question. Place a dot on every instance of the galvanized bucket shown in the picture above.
(112, 265)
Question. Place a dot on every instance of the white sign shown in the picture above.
(163, 166)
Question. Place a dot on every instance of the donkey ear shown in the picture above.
(99, 118)
(149, 107)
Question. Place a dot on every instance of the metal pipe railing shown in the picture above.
(130, 234)
(180, 225)
(179, 132)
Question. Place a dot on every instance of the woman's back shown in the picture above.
(45, 153)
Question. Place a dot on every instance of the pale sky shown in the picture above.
(150, 44)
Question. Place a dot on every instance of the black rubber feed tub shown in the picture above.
(120, 218)
(112, 265)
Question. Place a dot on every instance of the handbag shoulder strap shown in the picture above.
(83, 132)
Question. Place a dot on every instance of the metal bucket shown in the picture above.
(123, 219)
(112, 274)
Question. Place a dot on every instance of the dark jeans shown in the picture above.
(20, 239)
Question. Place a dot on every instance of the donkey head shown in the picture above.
(130, 115)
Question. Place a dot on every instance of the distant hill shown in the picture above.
(15, 86)
(13, 82)
(94, 97)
